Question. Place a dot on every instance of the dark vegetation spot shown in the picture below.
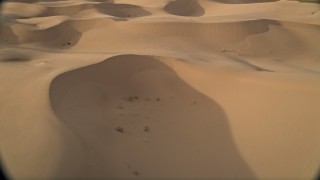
(194, 102)
(120, 129)
(120, 107)
(146, 129)
(224, 50)
(66, 44)
(136, 173)
(158, 99)
(130, 99)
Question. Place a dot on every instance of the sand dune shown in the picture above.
(46, 37)
(122, 10)
(159, 89)
(146, 93)
(70, 10)
(243, 1)
(213, 32)
(218, 35)
(25, 10)
(184, 8)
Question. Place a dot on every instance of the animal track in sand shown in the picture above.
(136, 173)
(146, 129)
(120, 107)
(120, 129)
(136, 98)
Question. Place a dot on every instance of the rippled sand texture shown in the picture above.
(160, 89)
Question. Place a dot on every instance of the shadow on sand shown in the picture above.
(136, 117)
(2, 172)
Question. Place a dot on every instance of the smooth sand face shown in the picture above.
(160, 89)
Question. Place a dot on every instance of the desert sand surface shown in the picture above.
(160, 89)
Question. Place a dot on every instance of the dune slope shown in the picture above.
(156, 110)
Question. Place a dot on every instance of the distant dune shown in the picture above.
(198, 89)
(184, 8)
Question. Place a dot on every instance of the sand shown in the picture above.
(160, 89)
